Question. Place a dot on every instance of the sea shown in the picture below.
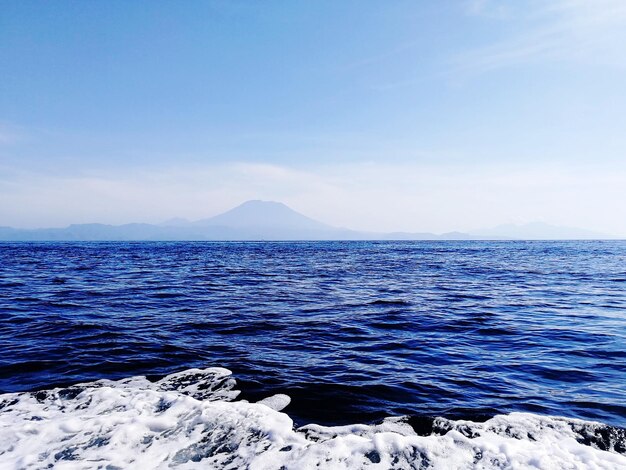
(281, 355)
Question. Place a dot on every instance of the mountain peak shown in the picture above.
(259, 203)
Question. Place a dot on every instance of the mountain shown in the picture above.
(267, 220)
(264, 214)
(540, 231)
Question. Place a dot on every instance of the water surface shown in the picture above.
(352, 331)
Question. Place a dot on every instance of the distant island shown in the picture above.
(268, 220)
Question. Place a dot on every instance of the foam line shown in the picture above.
(192, 420)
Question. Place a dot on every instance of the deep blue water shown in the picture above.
(352, 331)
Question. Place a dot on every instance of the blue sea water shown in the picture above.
(351, 331)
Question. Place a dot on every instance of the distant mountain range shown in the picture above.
(540, 231)
(263, 220)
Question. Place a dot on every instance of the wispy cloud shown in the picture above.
(525, 32)
(584, 31)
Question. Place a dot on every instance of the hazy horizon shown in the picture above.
(449, 116)
(274, 220)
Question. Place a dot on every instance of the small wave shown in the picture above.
(390, 302)
(167, 295)
(192, 420)
(11, 284)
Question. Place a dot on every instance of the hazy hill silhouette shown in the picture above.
(265, 214)
(266, 220)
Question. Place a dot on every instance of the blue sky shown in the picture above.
(398, 115)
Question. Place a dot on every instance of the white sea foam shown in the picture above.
(192, 420)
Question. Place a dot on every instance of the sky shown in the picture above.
(374, 115)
